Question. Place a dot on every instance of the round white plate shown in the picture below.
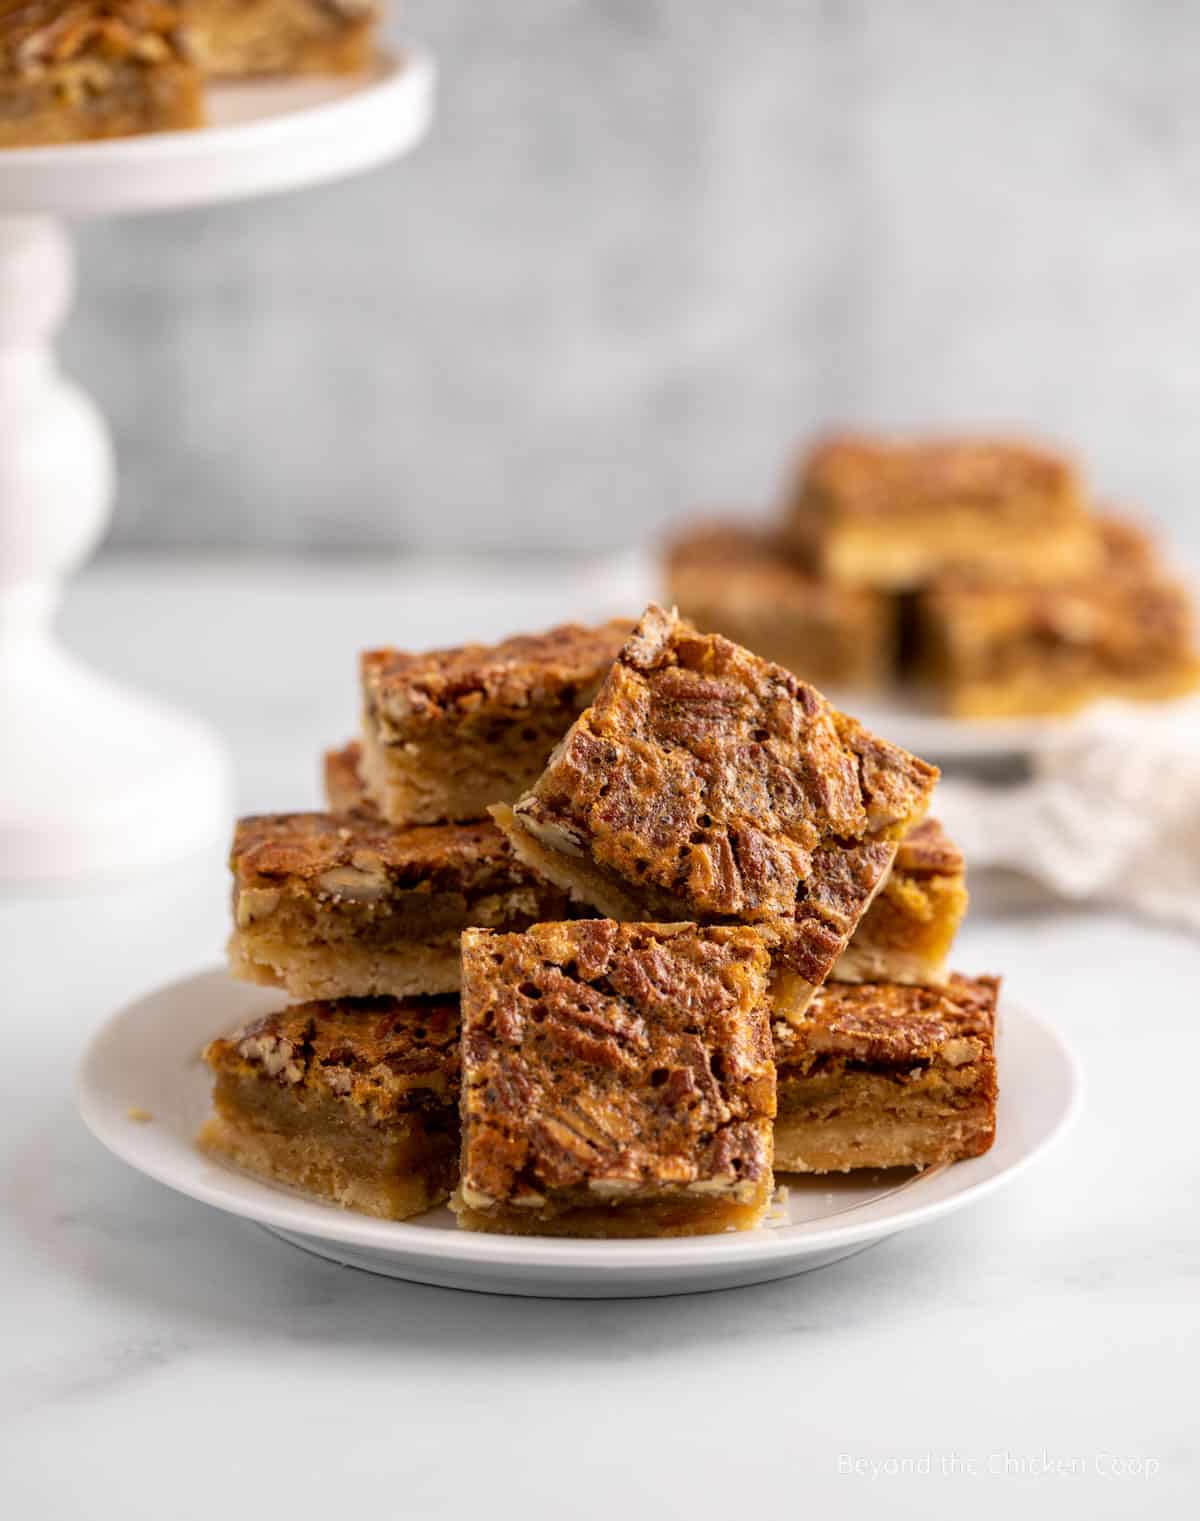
(146, 1061)
(263, 135)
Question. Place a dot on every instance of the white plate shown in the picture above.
(147, 1059)
(263, 135)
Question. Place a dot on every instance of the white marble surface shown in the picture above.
(159, 1360)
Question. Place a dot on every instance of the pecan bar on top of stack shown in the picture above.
(706, 784)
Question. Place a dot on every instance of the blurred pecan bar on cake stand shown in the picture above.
(893, 513)
(877, 1075)
(355, 1102)
(88, 69)
(617, 1081)
(237, 37)
(998, 647)
(707, 784)
(906, 934)
(449, 732)
(337, 906)
(739, 580)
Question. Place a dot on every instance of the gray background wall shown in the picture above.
(650, 245)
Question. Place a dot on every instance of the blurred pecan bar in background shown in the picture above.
(356, 1102)
(332, 906)
(84, 69)
(906, 934)
(882, 1076)
(995, 647)
(706, 784)
(893, 513)
(232, 37)
(740, 581)
(617, 1080)
(449, 732)
(343, 783)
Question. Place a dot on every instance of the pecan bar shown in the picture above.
(448, 733)
(906, 934)
(893, 513)
(884, 1076)
(342, 778)
(995, 647)
(333, 906)
(617, 1080)
(706, 784)
(355, 1102)
(88, 69)
(238, 37)
(738, 580)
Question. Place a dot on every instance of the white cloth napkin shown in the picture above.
(1111, 814)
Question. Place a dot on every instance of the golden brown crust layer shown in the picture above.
(610, 1064)
(475, 684)
(381, 1057)
(710, 784)
(857, 476)
(928, 850)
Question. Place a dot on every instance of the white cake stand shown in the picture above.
(94, 778)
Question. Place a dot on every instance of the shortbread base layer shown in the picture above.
(347, 971)
(669, 1216)
(1042, 694)
(867, 1120)
(907, 553)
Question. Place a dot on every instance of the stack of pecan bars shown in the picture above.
(976, 568)
(603, 927)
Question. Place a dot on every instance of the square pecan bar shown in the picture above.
(355, 1102)
(883, 1076)
(998, 647)
(447, 733)
(906, 934)
(706, 784)
(346, 906)
(738, 580)
(617, 1080)
(893, 513)
(238, 37)
(89, 69)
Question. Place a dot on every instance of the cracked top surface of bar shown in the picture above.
(385, 1056)
(327, 849)
(889, 1026)
(856, 477)
(610, 1058)
(479, 682)
(712, 784)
